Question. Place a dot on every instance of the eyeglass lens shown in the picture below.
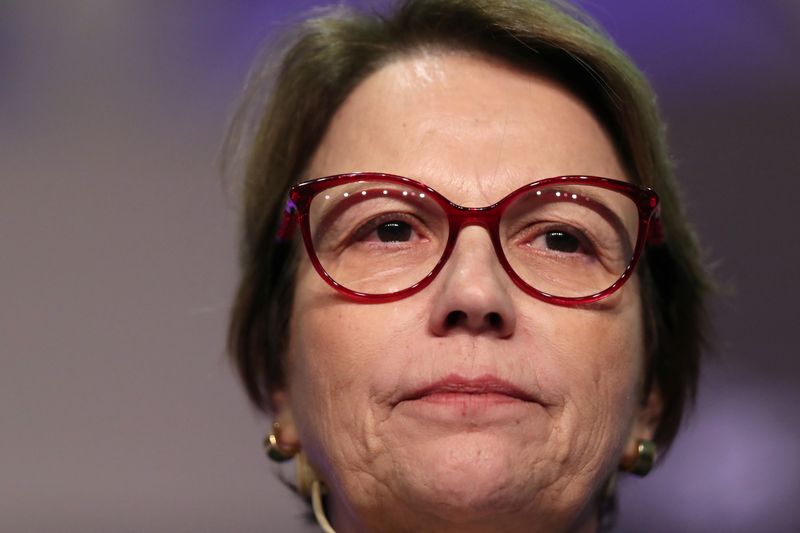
(568, 240)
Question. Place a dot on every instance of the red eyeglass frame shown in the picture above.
(302, 194)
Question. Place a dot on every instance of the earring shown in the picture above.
(644, 460)
(308, 483)
(273, 447)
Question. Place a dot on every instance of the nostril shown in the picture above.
(494, 320)
(454, 318)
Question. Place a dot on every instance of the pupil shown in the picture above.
(562, 242)
(394, 232)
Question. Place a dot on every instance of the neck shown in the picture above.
(344, 520)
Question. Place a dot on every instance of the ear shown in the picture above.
(286, 431)
(645, 425)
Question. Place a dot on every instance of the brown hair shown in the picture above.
(330, 54)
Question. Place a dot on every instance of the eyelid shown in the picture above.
(372, 224)
(586, 243)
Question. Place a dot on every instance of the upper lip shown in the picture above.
(485, 384)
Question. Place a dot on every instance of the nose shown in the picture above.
(472, 290)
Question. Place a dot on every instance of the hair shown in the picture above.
(289, 104)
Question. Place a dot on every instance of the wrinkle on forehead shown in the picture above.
(470, 127)
(473, 190)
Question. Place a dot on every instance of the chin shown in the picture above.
(469, 476)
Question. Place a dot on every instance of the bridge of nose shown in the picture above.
(474, 243)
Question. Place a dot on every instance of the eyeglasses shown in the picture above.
(566, 240)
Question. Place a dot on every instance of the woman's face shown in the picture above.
(474, 130)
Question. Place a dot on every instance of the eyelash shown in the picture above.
(366, 229)
(542, 229)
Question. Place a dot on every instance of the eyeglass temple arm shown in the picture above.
(655, 234)
(288, 224)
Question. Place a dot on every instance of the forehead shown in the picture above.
(471, 128)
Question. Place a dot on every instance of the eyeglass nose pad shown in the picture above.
(473, 291)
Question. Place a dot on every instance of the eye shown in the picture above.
(561, 241)
(391, 228)
(394, 231)
(567, 241)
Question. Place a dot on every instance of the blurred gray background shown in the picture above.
(118, 409)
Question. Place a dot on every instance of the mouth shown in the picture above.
(486, 389)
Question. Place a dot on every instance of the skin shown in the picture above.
(474, 130)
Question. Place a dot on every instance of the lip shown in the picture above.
(489, 388)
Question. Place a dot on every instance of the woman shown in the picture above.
(434, 367)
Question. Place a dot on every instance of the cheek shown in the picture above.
(594, 365)
(338, 368)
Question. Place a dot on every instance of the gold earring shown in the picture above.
(273, 447)
(308, 482)
(644, 460)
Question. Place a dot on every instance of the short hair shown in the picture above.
(289, 104)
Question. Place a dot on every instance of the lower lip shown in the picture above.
(459, 407)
